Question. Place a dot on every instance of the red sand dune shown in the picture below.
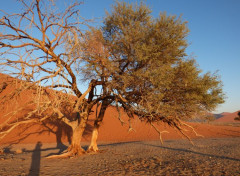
(111, 129)
(228, 117)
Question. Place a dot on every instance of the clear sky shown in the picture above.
(214, 36)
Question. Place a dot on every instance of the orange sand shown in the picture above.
(111, 129)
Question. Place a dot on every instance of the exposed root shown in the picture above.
(93, 149)
(63, 155)
(72, 151)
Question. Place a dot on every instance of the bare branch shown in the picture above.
(119, 114)
(159, 132)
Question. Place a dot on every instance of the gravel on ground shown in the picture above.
(215, 156)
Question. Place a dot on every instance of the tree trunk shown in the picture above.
(93, 146)
(75, 147)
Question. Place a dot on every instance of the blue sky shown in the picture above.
(214, 36)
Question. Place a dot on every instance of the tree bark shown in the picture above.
(93, 145)
(75, 147)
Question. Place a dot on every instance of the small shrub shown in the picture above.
(237, 118)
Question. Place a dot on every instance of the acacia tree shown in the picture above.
(143, 62)
(134, 61)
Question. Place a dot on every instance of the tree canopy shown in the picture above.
(148, 67)
(133, 61)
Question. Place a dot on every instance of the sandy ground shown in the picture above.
(213, 156)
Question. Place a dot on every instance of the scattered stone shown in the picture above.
(133, 159)
(1, 151)
(18, 151)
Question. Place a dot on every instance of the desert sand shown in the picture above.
(112, 130)
(213, 156)
(130, 153)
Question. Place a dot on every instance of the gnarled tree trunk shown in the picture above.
(75, 148)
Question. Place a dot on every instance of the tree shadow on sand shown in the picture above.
(119, 143)
(60, 130)
(192, 152)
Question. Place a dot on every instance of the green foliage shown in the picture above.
(147, 65)
(209, 118)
